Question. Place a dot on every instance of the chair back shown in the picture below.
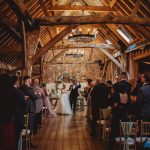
(128, 129)
(26, 122)
(106, 113)
(145, 129)
(101, 117)
(132, 118)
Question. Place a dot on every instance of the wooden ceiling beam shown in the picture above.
(104, 51)
(90, 54)
(143, 31)
(80, 62)
(52, 42)
(93, 19)
(11, 49)
(10, 26)
(112, 3)
(20, 10)
(83, 8)
(68, 46)
(136, 7)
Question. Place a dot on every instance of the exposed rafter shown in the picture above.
(88, 46)
(20, 10)
(136, 7)
(93, 19)
(10, 26)
(112, 3)
(83, 8)
(52, 42)
(80, 62)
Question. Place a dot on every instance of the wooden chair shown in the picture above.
(103, 125)
(107, 123)
(132, 118)
(44, 111)
(127, 139)
(26, 132)
(44, 114)
(100, 124)
(80, 104)
(145, 132)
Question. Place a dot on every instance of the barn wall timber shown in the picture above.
(80, 71)
(132, 64)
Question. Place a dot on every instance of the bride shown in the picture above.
(63, 105)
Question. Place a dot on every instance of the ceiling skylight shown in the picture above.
(124, 34)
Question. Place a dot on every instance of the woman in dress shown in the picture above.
(51, 112)
(63, 105)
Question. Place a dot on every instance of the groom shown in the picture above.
(74, 94)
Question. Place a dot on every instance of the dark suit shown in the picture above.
(19, 114)
(144, 102)
(99, 96)
(31, 107)
(73, 95)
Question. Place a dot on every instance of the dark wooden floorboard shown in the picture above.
(66, 132)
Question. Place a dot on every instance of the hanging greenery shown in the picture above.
(65, 77)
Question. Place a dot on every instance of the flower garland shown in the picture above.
(61, 78)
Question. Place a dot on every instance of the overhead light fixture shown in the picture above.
(78, 54)
(81, 36)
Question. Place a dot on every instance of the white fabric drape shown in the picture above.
(126, 128)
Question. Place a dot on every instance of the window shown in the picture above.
(124, 34)
(108, 41)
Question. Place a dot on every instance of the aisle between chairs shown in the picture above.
(66, 132)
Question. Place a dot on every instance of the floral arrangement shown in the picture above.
(65, 77)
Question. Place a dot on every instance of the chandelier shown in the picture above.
(78, 54)
(79, 36)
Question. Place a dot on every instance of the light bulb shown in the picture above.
(73, 30)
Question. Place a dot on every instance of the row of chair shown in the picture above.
(25, 136)
(131, 132)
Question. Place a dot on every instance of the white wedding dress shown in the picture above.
(63, 104)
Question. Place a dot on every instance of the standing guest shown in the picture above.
(109, 86)
(31, 105)
(134, 107)
(120, 106)
(19, 114)
(143, 97)
(89, 98)
(99, 96)
(39, 104)
(74, 94)
(121, 96)
(47, 102)
(8, 106)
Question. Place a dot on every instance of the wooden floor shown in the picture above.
(66, 132)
